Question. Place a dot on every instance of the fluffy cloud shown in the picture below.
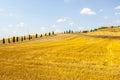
(87, 11)
(61, 20)
(21, 24)
(71, 23)
(118, 7)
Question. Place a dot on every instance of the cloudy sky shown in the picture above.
(23, 17)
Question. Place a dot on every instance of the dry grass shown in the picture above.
(61, 57)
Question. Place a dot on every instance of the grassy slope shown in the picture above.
(62, 57)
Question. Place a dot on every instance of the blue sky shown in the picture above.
(23, 17)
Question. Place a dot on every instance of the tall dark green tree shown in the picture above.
(64, 32)
(13, 39)
(53, 33)
(41, 35)
(22, 39)
(3, 40)
(9, 40)
(29, 37)
(49, 34)
(17, 39)
(69, 31)
(36, 35)
(45, 34)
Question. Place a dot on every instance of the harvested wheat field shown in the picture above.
(62, 57)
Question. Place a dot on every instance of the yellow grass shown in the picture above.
(62, 57)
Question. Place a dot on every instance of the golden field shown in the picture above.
(78, 56)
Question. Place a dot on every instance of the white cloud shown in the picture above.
(61, 20)
(118, 8)
(71, 23)
(21, 24)
(53, 26)
(87, 11)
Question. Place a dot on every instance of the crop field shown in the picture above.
(62, 57)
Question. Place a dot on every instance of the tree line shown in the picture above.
(15, 39)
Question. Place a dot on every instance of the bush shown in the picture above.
(3, 40)
(85, 31)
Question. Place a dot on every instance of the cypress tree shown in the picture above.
(36, 35)
(45, 34)
(22, 38)
(72, 32)
(53, 33)
(69, 31)
(64, 32)
(3, 40)
(13, 39)
(9, 40)
(49, 34)
(17, 39)
(29, 37)
(41, 35)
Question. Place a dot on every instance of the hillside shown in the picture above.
(90, 56)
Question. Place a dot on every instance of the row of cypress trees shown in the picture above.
(23, 38)
(69, 32)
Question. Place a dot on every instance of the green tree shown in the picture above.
(64, 32)
(17, 39)
(45, 34)
(29, 37)
(49, 34)
(9, 40)
(22, 38)
(85, 31)
(13, 39)
(53, 33)
(36, 35)
(3, 40)
(41, 35)
(69, 31)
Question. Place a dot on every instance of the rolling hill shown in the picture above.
(79, 56)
